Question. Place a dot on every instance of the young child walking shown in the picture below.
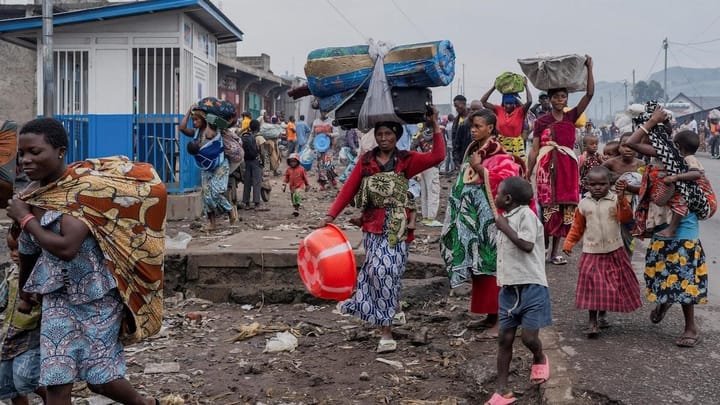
(524, 300)
(606, 281)
(296, 178)
(20, 353)
(589, 159)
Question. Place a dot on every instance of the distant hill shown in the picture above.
(690, 81)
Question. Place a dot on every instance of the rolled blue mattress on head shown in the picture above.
(336, 70)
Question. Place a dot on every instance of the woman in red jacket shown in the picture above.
(379, 186)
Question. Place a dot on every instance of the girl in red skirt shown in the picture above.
(606, 281)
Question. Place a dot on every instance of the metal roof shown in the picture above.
(203, 11)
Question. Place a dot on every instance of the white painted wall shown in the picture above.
(111, 91)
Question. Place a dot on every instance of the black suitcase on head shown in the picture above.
(411, 105)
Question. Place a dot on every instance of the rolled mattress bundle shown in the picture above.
(335, 71)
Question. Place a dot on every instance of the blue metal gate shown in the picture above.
(151, 138)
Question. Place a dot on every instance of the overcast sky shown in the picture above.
(489, 36)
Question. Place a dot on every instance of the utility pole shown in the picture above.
(611, 110)
(665, 47)
(626, 99)
(634, 96)
(48, 62)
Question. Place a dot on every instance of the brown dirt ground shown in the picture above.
(335, 362)
(439, 361)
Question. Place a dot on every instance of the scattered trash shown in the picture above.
(246, 307)
(162, 368)
(172, 399)
(272, 237)
(398, 365)
(99, 400)
(249, 330)
(179, 242)
(194, 316)
(364, 376)
(281, 342)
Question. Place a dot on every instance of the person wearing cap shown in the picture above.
(510, 119)
(296, 178)
(542, 107)
(378, 186)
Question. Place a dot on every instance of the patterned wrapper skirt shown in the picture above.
(606, 282)
(79, 342)
(214, 186)
(676, 272)
(513, 144)
(379, 280)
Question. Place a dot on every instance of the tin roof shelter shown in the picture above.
(125, 73)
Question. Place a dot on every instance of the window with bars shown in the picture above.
(155, 80)
(71, 78)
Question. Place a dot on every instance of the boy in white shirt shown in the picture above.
(524, 299)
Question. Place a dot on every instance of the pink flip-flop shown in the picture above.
(540, 373)
(498, 399)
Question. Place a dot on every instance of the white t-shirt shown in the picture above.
(514, 265)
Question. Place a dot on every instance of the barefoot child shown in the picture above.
(296, 177)
(687, 143)
(589, 159)
(606, 281)
(20, 354)
(524, 299)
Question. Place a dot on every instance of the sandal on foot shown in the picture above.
(603, 323)
(658, 313)
(498, 399)
(687, 341)
(386, 346)
(540, 373)
(558, 260)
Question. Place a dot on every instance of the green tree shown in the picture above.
(646, 91)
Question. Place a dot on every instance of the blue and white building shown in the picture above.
(125, 74)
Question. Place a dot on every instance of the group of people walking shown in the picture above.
(507, 215)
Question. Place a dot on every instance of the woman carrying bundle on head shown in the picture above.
(510, 118)
(210, 118)
(379, 187)
(553, 165)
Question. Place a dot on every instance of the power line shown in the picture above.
(696, 43)
(363, 36)
(708, 26)
(653, 64)
(409, 20)
(672, 55)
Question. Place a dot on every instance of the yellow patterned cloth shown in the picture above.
(513, 145)
(123, 203)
